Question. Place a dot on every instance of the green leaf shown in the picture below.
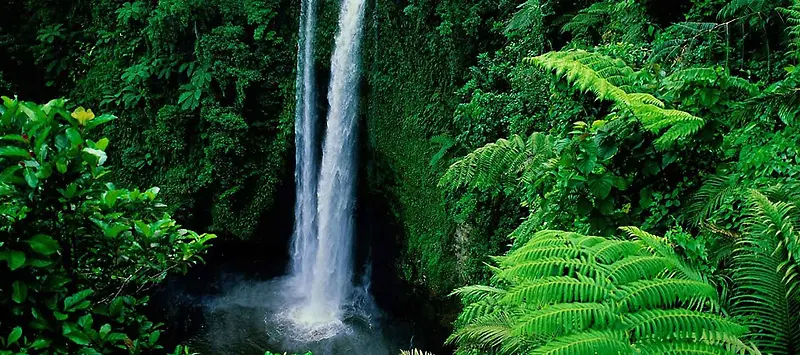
(89, 351)
(98, 121)
(61, 165)
(9, 151)
(99, 154)
(12, 137)
(60, 316)
(110, 197)
(56, 282)
(184, 96)
(40, 263)
(15, 334)
(645, 197)
(86, 321)
(43, 244)
(104, 330)
(605, 206)
(114, 230)
(78, 337)
(74, 137)
(31, 178)
(600, 185)
(40, 344)
(8, 173)
(144, 229)
(15, 259)
(153, 337)
(102, 144)
(152, 192)
(115, 307)
(20, 293)
(77, 301)
(586, 163)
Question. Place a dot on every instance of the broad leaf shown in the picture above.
(43, 244)
(99, 120)
(20, 292)
(15, 334)
(78, 337)
(600, 185)
(15, 259)
(77, 301)
(31, 178)
(99, 154)
(10, 151)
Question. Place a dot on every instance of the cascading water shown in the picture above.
(333, 268)
(304, 242)
(318, 307)
(322, 262)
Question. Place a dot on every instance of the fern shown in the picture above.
(527, 18)
(566, 293)
(499, 163)
(615, 20)
(415, 352)
(610, 79)
(744, 7)
(716, 191)
(765, 293)
(792, 15)
(687, 35)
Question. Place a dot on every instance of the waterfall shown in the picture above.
(322, 249)
(304, 242)
(333, 267)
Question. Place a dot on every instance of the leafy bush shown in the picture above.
(77, 252)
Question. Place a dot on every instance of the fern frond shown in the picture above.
(547, 267)
(568, 293)
(661, 247)
(582, 70)
(605, 77)
(610, 251)
(683, 348)
(415, 352)
(562, 317)
(479, 309)
(635, 267)
(715, 191)
(497, 162)
(661, 293)
(477, 293)
(555, 289)
(772, 219)
(590, 342)
(491, 331)
(665, 324)
(535, 252)
(739, 7)
(764, 297)
(528, 17)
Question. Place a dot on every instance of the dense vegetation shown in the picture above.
(490, 126)
(79, 253)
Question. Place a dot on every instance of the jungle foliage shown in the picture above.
(204, 92)
(77, 253)
(488, 125)
(681, 120)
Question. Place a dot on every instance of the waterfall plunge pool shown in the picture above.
(249, 317)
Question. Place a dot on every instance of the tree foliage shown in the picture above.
(77, 253)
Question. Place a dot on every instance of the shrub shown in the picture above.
(76, 252)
